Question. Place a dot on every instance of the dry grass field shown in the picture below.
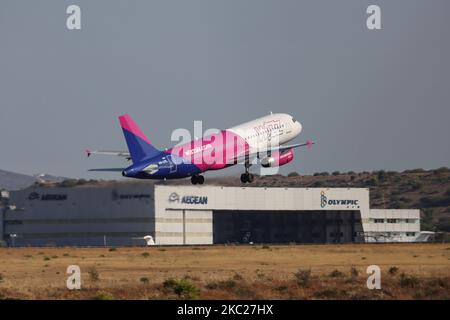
(409, 271)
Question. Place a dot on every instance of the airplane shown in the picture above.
(261, 139)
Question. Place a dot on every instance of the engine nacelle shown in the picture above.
(278, 159)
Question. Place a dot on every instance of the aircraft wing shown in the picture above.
(308, 144)
(124, 154)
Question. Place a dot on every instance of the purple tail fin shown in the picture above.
(139, 146)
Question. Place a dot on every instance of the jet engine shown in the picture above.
(278, 158)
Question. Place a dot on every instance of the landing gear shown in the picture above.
(197, 179)
(247, 177)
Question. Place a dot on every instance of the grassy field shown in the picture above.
(409, 271)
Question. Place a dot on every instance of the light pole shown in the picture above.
(12, 236)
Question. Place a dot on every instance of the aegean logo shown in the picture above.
(194, 200)
(33, 196)
(174, 197)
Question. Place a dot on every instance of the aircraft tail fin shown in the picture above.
(139, 146)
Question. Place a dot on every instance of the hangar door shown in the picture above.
(239, 226)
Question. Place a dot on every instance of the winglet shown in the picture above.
(88, 153)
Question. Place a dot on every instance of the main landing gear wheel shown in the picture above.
(247, 177)
(197, 179)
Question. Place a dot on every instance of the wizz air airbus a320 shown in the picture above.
(262, 139)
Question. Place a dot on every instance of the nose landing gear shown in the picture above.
(197, 179)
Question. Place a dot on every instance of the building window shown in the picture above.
(391, 220)
(410, 234)
(378, 220)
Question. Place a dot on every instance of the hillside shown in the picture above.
(428, 190)
(15, 181)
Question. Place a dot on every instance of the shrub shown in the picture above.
(303, 277)
(144, 280)
(237, 277)
(293, 174)
(393, 271)
(282, 288)
(317, 184)
(183, 288)
(112, 249)
(146, 254)
(225, 284)
(265, 247)
(332, 293)
(381, 176)
(103, 296)
(93, 274)
(336, 274)
(371, 182)
(438, 201)
(46, 258)
(336, 173)
(354, 272)
(1, 277)
(408, 281)
(418, 170)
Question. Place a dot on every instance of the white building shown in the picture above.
(126, 213)
(213, 214)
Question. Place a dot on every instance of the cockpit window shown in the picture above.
(293, 120)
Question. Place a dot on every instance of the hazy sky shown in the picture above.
(371, 99)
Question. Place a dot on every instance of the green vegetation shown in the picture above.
(183, 288)
(303, 277)
(408, 281)
(103, 296)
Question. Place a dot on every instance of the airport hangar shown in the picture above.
(118, 214)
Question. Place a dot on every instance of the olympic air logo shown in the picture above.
(324, 201)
